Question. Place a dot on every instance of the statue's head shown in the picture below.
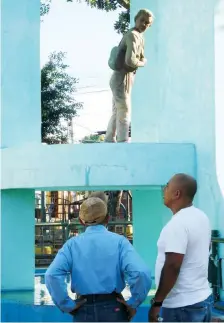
(143, 20)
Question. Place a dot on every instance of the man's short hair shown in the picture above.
(188, 184)
(144, 12)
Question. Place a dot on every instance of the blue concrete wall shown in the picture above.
(174, 101)
(17, 238)
(20, 122)
(219, 99)
(149, 217)
(20, 72)
(94, 166)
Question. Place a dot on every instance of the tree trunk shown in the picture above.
(124, 3)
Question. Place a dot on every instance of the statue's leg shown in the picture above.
(123, 103)
(119, 198)
(123, 122)
(111, 128)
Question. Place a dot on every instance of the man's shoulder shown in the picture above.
(194, 212)
(174, 222)
(119, 239)
(191, 209)
(191, 218)
(132, 34)
(71, 241)
(83, 235)
(76, 239)
(199, 211)
(115, 235)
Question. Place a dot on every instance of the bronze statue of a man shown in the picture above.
(129, 57)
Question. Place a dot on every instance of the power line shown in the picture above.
(90, 92)
(77, 124)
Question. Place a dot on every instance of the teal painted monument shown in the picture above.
(173, 130)
(175, 93)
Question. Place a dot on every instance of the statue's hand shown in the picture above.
(144, 60)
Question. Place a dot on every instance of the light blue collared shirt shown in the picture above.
(99, 262)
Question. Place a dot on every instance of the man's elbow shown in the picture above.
(149, 279)
(48, 279)
(145, 285)
(131, 63)
(146, 278)
(48, 272)
(47, 275)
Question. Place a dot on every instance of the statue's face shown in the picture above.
(143, 22)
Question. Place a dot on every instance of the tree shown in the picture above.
(44, 7)
(94, 138)
(58, 104)
(121, 25)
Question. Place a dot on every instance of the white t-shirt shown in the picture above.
(188, 233)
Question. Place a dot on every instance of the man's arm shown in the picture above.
(175, 249)
(55, 279)
(169, 275)
(131, 58)
(136, 273)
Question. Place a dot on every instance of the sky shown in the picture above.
(87, 35)
(83, 32)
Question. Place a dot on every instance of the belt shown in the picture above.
(92, 298)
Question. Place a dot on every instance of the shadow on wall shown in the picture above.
(219, 97)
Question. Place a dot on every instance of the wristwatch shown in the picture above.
(155, 303)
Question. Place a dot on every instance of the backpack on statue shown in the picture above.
(112, 62)
(117, 58)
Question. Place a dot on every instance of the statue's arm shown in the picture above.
(132, 58)
(142, 55)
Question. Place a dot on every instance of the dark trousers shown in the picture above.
(102, 311)
(200, 312)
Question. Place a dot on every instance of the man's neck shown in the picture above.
(177, 208)
(136, 29)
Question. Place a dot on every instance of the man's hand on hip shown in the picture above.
(77, 306)
(131, 311)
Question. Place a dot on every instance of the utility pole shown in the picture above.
(70, 131)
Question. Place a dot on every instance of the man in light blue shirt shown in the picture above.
(99, 262)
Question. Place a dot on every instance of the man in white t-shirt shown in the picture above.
(183, 293)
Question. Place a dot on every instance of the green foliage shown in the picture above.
(94, 138)
(121, 26)
(102, 4)
(123, 23)
(57, 99)
(44, 7)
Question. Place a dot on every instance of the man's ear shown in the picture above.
(106, 220)
(83, 223)
(177, 194)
